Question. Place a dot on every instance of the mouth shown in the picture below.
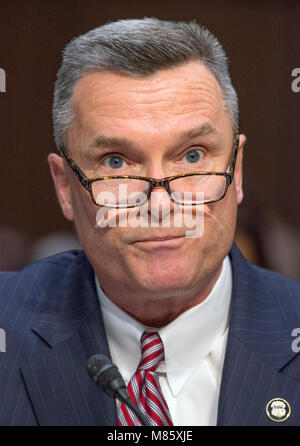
(159, 239)
(159, 242)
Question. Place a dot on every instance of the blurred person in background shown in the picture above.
(14, 249)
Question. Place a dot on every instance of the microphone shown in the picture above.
(108, 378)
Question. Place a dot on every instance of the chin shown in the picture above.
(163, 278)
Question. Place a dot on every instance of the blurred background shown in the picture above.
(262, 42)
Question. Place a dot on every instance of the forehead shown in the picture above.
(164, 100)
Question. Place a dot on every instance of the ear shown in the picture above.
(61, 184)
(238, 173)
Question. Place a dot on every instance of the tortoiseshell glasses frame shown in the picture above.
(164, 182)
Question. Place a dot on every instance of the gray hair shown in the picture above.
(138, 47)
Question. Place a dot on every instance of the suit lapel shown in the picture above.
(258, 353)
(70, 330)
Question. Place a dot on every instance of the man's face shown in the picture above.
(141, 127)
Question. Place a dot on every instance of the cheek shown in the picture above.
(85, 213)
(220, 221)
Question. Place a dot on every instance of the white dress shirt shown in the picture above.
(194, 345)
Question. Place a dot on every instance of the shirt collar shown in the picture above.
(187, 340)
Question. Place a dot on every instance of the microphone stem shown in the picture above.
(123, 396)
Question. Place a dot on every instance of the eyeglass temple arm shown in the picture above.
(78, 172)
(231, 168)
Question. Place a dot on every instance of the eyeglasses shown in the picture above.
(128, 191)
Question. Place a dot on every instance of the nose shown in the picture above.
(159, 205)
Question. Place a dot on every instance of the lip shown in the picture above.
(160, 239)
(159, 242)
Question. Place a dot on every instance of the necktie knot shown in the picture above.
(152, 351)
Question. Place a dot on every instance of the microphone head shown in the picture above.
(98, 364)
(105, 374)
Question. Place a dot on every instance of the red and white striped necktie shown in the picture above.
(144, 389)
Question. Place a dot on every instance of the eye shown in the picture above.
(114, 162)
(193, 156)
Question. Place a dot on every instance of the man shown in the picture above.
(146, 123)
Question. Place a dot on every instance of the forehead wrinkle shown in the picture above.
(176, 103)
(175, 100)
(151, 110)
(157, 89)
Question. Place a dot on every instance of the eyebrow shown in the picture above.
(103, 141)
(201, 130)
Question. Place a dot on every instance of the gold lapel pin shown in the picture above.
(278, 409)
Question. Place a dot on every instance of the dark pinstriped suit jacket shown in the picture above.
(53, 324)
